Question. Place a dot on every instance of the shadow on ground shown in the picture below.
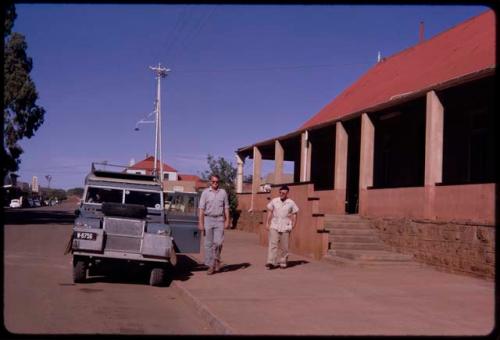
(35, 216)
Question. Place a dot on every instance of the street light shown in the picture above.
(48, 178)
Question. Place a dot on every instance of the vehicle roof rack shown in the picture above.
(119, 174)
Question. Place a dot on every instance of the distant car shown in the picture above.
(15, 203)
(37, 203)
(29, 203)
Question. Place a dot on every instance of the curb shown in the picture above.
(217, 324)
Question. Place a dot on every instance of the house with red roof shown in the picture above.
(408, 147)
(172, 180)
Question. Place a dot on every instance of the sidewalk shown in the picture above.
(319, 298)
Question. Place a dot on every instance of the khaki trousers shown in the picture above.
(278, 247)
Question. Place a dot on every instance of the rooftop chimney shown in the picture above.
(421, 32)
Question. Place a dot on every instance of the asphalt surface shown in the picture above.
(41, 298)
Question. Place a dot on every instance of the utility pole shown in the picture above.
(160, 72)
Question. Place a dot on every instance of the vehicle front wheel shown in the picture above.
(79, 271)
(157, 276)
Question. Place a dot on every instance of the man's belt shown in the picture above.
(214, 215)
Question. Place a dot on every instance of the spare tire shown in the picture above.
(124, 210)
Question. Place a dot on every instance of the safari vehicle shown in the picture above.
(123, 222)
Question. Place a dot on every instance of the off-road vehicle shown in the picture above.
(126, 221)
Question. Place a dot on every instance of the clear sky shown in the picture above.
(240, 74)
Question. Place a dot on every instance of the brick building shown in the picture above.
(408, 147)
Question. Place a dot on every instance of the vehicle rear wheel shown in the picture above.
(79, 271)
(157, 276)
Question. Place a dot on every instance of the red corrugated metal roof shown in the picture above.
(464, 49)
(147, 164)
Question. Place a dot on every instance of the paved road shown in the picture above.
(40, 297)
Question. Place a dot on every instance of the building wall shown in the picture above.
(449, 227)
(307, 239)
(471, 203)
(454, 247)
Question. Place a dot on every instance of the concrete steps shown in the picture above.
(352, 241)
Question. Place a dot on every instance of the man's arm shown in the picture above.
(268, 218)
(226, 218)
(294, 220)
(201, 219)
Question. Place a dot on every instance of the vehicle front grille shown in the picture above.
(123, 226)
(123, 243)
(123, 234)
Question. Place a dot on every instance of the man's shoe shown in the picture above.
(210, 270)
(269, 266)
(218, 265)
(282, 265)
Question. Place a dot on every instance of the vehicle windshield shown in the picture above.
(101, 195)
(149, 199)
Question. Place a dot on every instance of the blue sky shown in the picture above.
(240, 74)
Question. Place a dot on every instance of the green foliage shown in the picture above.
(9, 15)
(227, 175)
(75, 192)
(22, 117)
(60, 194)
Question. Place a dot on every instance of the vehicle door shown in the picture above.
(181, 213)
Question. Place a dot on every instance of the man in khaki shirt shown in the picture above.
(213, 219)
(281, 219)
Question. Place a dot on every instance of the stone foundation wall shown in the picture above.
(454, 247)
(250, 221)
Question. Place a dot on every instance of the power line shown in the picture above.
(180, 27)
(195, 32)
(273, 68)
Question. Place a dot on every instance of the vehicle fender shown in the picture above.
(156, 245)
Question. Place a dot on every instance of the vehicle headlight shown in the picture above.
(87, 223)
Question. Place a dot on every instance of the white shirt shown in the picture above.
(281, 211)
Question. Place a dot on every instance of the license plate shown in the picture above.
(85, 235)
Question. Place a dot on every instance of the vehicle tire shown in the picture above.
(157, 277)
(79, 271)
(124, 210)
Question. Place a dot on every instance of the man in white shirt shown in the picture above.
(281, 219)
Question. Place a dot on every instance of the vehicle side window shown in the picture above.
(181, 204)
(101, 195)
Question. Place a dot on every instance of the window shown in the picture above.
(101, 195)
(181, 204)
(149, 199)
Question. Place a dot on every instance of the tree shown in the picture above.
(227, 175)
(22, 116)
(75, 192)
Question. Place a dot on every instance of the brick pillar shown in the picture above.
(257, 161)
(279, 156)
(305, 157)
(239, 174)
(341, 140)
(366, 152)
(434, 123)
(433, 140)
(340, 184)
(366, 158)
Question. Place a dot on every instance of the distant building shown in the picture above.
(409, 146)
(172, 180)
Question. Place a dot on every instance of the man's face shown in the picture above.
(283, 194)
(214, 183)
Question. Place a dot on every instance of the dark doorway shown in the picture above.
(353, 129)
(323, 158)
